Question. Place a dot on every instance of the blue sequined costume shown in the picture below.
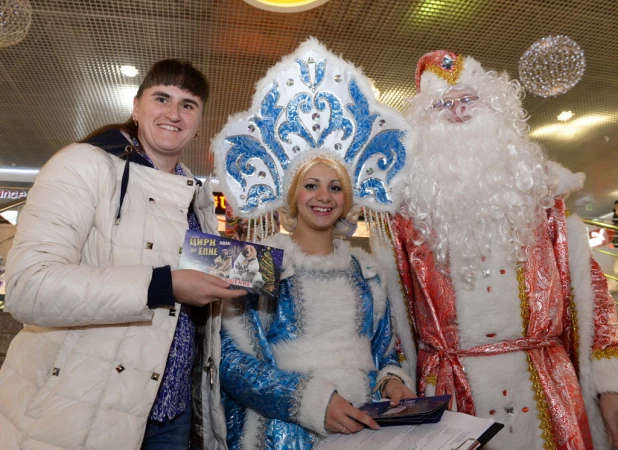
(330, 330)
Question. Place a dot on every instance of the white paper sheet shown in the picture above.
(453, 430)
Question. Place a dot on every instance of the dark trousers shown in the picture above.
(169, 434)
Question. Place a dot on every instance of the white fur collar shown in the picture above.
(564, 180)
(293, 255)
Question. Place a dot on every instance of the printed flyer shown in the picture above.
(245, 265)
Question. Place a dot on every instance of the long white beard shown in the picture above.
(475, 183)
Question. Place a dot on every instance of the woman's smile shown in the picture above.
(169, 127)
(322, 210)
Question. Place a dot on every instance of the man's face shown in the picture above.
(455, 104)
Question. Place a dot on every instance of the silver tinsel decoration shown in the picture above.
(552, 66)
(15, 20)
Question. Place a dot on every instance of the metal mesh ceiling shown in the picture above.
(63, 80)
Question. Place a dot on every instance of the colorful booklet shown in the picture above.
(245, 265)
(410, 411)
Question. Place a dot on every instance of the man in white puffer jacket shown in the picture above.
(92, 274)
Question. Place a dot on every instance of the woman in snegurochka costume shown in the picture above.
(297, 368)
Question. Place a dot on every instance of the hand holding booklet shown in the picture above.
(415, 424)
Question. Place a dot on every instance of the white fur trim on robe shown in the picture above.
(314, 403)
(605, 375)
(250, 430)
(385, 254)
(581, 280)
(233, 322)
(375, 278)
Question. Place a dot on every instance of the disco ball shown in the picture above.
(15, 20)
(552, 66)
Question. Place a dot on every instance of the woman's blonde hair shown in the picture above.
(288, 219)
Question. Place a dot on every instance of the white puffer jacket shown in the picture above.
(85, 370)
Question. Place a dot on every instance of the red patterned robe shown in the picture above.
(530, 346)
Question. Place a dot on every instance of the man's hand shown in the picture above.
(396, 390)
(609, 410)
(341, 417)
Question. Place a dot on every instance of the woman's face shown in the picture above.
(168, 118)
(320, 199)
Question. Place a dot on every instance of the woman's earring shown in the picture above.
(197, 134)
(135, 121)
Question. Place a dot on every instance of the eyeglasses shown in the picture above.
(449, 103)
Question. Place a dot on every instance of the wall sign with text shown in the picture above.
(12, 194)
(219, 202)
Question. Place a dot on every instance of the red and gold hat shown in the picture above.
(442, 68)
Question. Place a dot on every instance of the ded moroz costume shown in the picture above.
(509, 311)
(330, 329)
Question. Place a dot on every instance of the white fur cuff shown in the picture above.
(315, 399)
(399, 373)
(605, 375)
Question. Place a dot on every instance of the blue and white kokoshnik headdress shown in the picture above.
(312, 102)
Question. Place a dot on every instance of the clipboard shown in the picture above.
(475, 444)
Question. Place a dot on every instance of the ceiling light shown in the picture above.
(545, 131)
(15, 21)
(431, 7)
(552, 66)
(126, 94)
(565, 115)
(129, 71)
(569, 129)
(286, 6)
(19, 171)
(19, 175)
